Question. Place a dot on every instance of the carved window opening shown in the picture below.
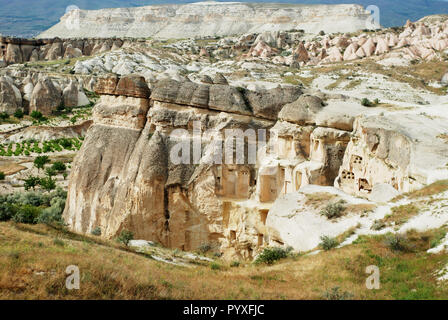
(232, 235)
(260, 240)
(364, 185)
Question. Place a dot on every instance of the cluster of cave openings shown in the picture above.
(348, 176)
(355, 161)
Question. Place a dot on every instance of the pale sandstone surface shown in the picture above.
(207, 19)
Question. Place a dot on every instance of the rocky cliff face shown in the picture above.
(207, 19)
(124, 177)
(14, 50)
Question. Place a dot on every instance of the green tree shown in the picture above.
(59, 166)
(2, 175)
(47, 183)
(50, 172)
(41, 161)
(31, 182)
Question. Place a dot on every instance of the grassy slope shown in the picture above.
(33, 261)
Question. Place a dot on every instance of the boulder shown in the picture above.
(132, 86)
(268, 103)
(302, 111)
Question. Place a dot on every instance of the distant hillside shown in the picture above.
(28, 18)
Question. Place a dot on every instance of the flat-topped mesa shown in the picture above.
(208, 19)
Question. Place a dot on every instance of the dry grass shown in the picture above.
(319, 198)
(361, 208)
(401, 214)
(427, 191)
(32, 266)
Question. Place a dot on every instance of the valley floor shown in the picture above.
(33, 260)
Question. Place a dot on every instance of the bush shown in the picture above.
(37, 115)
(59, 166)
(26, 214)
(334, 210)
(31, 182)
(47, 184)
(235, 264)
(215, 266)
(204, 248)
(335, 294)
(53, 214)
(96, 231)
(398, 242)
(125, 236)
(4, 116)
(2, 176)
(366, 102)
(328, 243)
(18, 114)
(271, 255)
(378, 225)
(50, 172)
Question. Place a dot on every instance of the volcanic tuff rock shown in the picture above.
(237, 209)
(10, 97)
(46, 97)
(207, 19)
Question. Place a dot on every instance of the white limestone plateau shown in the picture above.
(207, 19)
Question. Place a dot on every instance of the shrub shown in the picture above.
(328, 243)
(2, 175)
(335, 294)
(59, 166)
(31, 182)
(36, 115)
(26, 214)
(398, 242)
(125, 236)
(47, 184)
(215, 266)
(18, 114)
(366, 102)
(271, 255)
(378, 225)
(235, 264)
(96, 231)
(58, 242)
(4, 116)
(204, 248)
(334, 210)
(50, 172)
(53, 214)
